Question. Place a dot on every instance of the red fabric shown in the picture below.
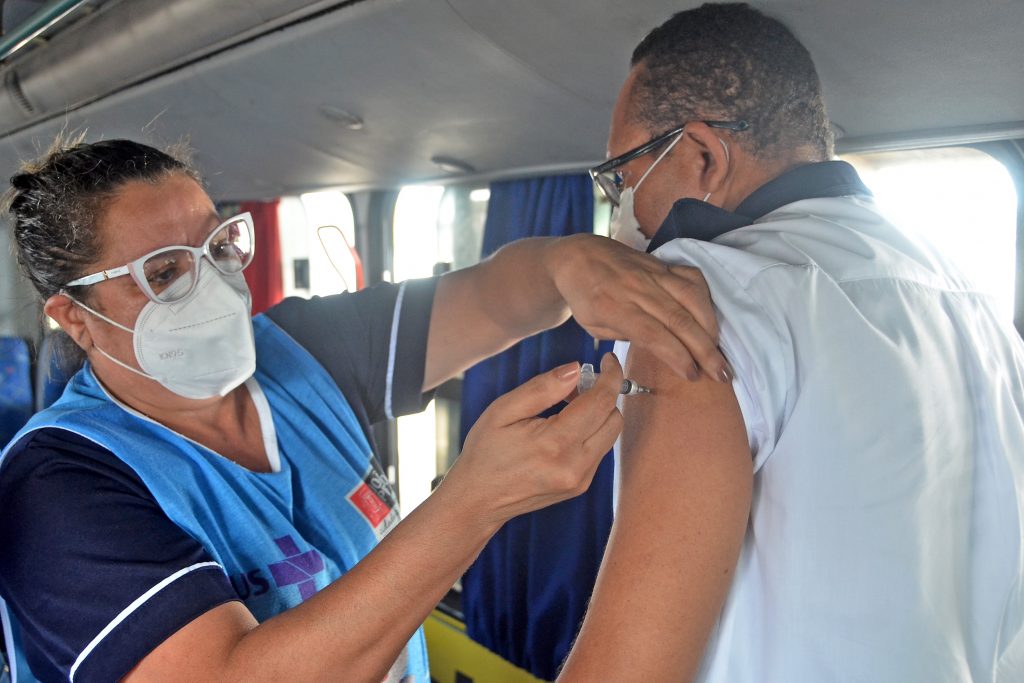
(264, 273)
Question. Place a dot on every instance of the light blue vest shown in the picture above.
(279, 536)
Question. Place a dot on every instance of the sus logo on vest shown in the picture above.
(298, 568)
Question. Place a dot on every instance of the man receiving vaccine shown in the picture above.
(849, 509)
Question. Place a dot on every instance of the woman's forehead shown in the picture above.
(143, 216)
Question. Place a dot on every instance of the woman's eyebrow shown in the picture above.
(213, 219)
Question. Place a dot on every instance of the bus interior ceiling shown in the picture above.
(285, 96)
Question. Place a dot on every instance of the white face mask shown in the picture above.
(624, 226)
(199, 347)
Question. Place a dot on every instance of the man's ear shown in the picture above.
(714, 167)
(70, 317)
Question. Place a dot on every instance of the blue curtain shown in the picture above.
(15, 387)
(527, 592)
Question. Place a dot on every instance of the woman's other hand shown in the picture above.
(514, 462)
(616, 292)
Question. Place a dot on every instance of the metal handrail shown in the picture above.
(40, 22)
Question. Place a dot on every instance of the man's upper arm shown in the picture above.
(684, 502)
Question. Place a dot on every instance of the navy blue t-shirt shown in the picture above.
(83, 539)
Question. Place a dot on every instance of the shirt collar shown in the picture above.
(692, 218)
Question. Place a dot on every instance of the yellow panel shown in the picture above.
(452, 652)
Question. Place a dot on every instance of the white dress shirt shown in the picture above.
(884, 404)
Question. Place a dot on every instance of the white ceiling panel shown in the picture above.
(509, 85)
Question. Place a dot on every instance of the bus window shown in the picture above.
(414, 254)
(460, 226)
(317, 262)
(962, 200)
(436, 229)
(332, 232)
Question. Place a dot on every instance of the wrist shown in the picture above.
(469, 513)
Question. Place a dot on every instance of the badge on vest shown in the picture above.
(376, 501)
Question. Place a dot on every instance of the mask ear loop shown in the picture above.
(115, 324)
(657, 161)
(96, 313)
(125, 365)
(727, 160)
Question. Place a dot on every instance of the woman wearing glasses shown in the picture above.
(204, 502)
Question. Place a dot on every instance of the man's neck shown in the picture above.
(751, 173)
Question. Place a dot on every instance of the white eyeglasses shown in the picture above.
(170, 274)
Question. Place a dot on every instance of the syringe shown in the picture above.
(588, 377)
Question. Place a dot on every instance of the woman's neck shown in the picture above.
(228, 425)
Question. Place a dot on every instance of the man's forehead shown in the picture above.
(626, 132)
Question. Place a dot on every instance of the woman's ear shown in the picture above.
(70, 317)
(714, 155)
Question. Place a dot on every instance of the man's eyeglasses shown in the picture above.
(170, 274)
(609, 180)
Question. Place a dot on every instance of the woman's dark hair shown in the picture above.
(731, 62)
(54, 203)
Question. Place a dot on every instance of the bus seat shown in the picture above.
(15, 386)
(52, 372)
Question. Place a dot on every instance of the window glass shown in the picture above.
(961, 200)
(317, 230)
(460, 226)
(417, 447)
(331, 235)
(436, 229)
(415, 251)
(294, 247)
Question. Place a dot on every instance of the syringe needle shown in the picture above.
(588, 377)
(630, 388)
